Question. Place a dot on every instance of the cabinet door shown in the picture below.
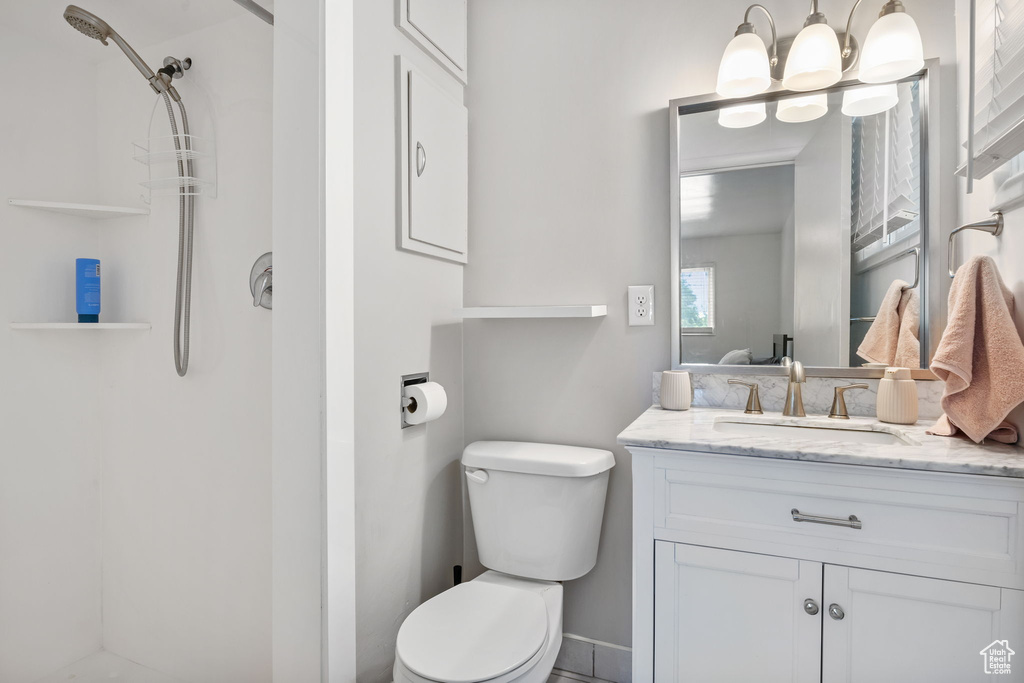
(894, 627)
(435, 168)
(439, 27)
(727, 616)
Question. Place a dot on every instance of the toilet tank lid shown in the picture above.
(537, 458)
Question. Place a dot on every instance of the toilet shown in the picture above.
(537, 511)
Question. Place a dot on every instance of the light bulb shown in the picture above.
(870, 100)
(814, 61)
(892, 49)
(802, 109)
(742, 115)
(744, 69)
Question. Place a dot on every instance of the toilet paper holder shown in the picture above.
(409, 380)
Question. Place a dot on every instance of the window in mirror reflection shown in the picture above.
(697, 300)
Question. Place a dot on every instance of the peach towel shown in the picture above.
(893, 336)
(980, 356)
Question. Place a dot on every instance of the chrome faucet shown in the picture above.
(794, 406)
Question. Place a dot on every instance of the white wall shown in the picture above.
(408, 489)
(49, 408)
(821, 296)
(186, 462)
(748, 279)
(569, 203)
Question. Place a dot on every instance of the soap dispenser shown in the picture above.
(897, 397)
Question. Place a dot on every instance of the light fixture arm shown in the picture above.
(847, 49)
(747, 27)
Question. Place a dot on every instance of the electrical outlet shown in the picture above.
(641, 304)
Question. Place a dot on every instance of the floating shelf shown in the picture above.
(81, 326)
(95, 211)
(534, 312)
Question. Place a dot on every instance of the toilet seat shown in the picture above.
(474, 632)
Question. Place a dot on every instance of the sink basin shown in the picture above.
(816, 432)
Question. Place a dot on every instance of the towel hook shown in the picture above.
(993, 226)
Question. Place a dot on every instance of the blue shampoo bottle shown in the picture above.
(87, 289)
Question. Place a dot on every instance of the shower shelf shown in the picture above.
(198, 185)
(162, 156)
(95, 211)
(585, 311)
(81, 326)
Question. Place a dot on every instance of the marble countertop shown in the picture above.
(694, 430)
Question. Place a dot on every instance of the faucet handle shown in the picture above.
(753, 398)
(838, 411)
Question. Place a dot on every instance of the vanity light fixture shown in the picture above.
(742, 115)
(893, 47)
(816, 58)
(870, 100)
(802, 109)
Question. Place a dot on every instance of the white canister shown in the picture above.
(897, 397)
(676, 393)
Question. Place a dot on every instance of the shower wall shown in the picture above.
(134, 505)
(49, 412)
(186, 462)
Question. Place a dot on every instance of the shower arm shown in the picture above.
(160, 82)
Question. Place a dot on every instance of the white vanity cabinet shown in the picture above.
(760, 569)
(439, 27)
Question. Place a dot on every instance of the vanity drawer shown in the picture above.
(906, 521)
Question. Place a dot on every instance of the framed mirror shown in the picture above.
(797, 219)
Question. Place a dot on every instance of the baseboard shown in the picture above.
(594, 660)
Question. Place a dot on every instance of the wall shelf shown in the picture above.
(588, 311)
(81, 326)
(95, 211)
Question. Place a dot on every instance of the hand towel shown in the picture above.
(893, 336)
(980, 356)
(1003, 433)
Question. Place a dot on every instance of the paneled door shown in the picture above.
(894, 627)
(726, 616)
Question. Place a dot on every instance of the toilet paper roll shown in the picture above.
(428, 402)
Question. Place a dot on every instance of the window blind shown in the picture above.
(998, 124)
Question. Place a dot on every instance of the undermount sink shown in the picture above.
(815, 432)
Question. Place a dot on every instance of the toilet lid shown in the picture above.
(473, 632)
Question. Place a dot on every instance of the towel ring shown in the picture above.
(993, 226)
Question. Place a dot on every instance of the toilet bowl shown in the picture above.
(495, 628)
(537, 512)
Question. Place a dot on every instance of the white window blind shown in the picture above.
(697, 300)
(998, 84)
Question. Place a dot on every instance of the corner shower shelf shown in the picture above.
(95, 211)
(81, 326)
(587, 311)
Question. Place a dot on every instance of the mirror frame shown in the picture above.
(931, 313)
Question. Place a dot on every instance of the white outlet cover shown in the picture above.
(640, 304)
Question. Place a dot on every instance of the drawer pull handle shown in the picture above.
(836, 612)
(851, 521)
(810, 606)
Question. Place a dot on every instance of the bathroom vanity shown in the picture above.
(807, 549)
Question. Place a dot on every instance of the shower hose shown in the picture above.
(186, 225)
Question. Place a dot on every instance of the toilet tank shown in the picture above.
(537, 508)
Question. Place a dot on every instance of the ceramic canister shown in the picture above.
(676, 393)
(897, 397)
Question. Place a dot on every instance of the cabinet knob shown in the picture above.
(810, 606)
(836, 612)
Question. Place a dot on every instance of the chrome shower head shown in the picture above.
(87, 23)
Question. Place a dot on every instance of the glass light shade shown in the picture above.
(744, 69)
(871, 100)
(814, 60)
(892, 49)
(742, 115)
(802, 109)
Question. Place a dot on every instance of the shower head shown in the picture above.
(87, 23)
(91, 25)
